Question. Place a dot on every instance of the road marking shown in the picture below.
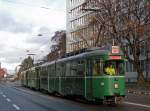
(8, 99)
(16, 107)
(136, 104)
(4, 96)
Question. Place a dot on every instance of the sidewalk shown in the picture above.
(138, 89)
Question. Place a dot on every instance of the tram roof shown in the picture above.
(47, 63)
(85, 55)
(79, 56)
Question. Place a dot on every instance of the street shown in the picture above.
(81, 51)
(17, 98)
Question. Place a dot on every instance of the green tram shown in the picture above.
(82, 76)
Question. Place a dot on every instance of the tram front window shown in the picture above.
(114, 68)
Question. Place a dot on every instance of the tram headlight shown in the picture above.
(116, 86)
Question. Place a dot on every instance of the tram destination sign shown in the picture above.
(115, 50)
(115, 57)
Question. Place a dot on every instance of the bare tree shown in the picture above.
(59, 41)
(58, 47)
(26, 63)
(94, 31)
(127, 22)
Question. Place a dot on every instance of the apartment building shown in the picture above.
(77, 29)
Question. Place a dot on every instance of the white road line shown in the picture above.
(4, 96)
(136, 104)
(16, 107)
(8, 99)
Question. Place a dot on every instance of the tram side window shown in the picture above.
(77, 68)
(68, 68)
(52, 70)
(89, 67)
(97, 67)
(58, 69)
(81, 68)
(63, 69)
(73, 68)
(46, 71)
(49, 69)
(120, 66)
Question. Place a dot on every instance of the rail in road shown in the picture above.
(23, 99)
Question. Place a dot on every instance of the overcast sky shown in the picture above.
(20, 23)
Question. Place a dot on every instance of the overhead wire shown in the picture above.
(29, 5)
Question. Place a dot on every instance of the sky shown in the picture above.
(20, 23)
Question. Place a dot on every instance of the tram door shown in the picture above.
(88, 79)
(94, 70)
(97, 68)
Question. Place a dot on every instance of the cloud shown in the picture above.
(52, 4)
(10, 24)
(41, 39)
(20, 23)
(15, 46)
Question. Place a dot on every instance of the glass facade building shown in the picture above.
(79, 35)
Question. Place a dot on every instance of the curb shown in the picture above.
(139, 92)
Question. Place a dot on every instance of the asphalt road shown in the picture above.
(14, 98)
